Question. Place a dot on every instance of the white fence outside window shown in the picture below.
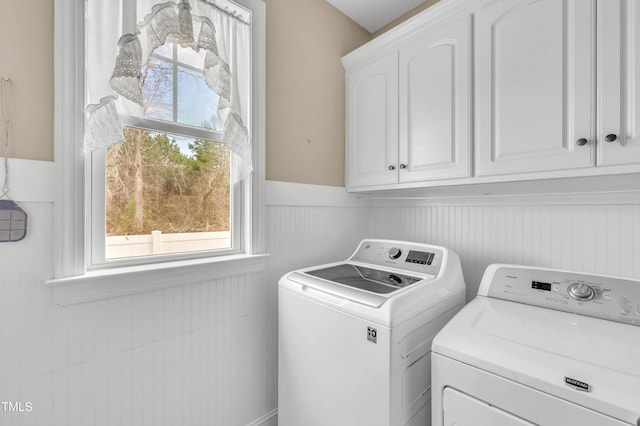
(159, 243)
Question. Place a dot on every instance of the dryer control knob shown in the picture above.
(581, 291)
(395, 253)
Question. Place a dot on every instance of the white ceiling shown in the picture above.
(374, 14)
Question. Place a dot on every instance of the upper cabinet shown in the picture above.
(408, 112)
(534, 86)
(618, 71)
(478, 91)
(435, 104)
(555, 85)
(372, 124)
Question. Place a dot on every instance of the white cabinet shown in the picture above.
(372, 123)
(435, 105)
(408, 113)
(556, 79)
(484, 91)
(618, 72)
(534, 79)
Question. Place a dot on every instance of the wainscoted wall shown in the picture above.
(312, 224)
(191, 355)
(197, 354)
(598, 233)
(27, 330)
(206, 353)
(184, 355)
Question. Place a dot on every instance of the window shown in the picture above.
(165, 193)
(169, 192)
(167, 185)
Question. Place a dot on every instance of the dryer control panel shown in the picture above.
(610, 298)
(412, 257)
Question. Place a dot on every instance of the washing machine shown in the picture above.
(355, 336)
(541, 347)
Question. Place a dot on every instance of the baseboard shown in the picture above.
(269, 419)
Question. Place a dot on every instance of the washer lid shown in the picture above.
(364, 278)
(358, 283)
(588, 361)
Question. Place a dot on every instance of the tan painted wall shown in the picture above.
(26, 57)
(306, 40)
(305, 88)
(305, 84)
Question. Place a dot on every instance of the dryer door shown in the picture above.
(464, 395)
(462, 410)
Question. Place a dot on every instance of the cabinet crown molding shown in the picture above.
(390, 40)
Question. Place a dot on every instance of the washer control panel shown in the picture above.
(610, 298)
(413, 257)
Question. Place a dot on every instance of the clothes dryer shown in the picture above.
(541, 347)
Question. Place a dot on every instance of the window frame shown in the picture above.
(75, 199)
(96, 237)
(175, 64)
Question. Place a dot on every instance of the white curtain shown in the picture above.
(120, 38)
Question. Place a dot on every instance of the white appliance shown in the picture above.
(541, 346)
(355, 336)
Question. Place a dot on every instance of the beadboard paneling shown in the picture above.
(310, 225)
(199, 354)
(27, 331)
(598, 238)
(300, 236)
(184, 355)
(30, 180)
(206, 353)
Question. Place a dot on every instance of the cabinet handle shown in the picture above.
(403, 166)
(611, 137)
(582, 142)
(392, 167)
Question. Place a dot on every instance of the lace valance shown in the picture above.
(120, 93)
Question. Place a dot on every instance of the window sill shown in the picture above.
(108, 283)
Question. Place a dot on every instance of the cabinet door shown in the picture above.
(372, 124)
(435, 104)
(618, 82)
(535, 84)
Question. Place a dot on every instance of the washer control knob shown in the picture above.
(395, 253)
(581, 291)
